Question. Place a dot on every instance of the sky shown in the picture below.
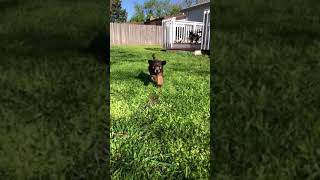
(129, 4)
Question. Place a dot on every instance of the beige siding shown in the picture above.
(133, 34)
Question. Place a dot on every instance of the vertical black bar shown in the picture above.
(212, 92)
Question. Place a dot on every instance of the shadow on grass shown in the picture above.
(144, 77)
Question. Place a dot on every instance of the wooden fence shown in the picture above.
(133, 34)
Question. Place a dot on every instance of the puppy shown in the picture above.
(156, 70)
(191, 36)
(194, 36)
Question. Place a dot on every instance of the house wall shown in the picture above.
(196, 13)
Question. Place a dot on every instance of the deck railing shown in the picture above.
(177, 31)
(182, 29)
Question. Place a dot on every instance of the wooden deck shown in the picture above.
(185, 46)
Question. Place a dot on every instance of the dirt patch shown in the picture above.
(152, 100)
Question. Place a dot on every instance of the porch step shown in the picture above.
(198, 52)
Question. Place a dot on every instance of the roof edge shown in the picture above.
(200, 4)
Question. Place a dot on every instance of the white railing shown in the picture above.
(177, 31)
(167, 26)
(205, 45)
(182, 29)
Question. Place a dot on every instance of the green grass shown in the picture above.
(265, 90)
(53, 91)
(159, 133)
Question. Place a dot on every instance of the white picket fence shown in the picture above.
(177, 31)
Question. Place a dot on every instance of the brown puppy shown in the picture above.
(156, 70)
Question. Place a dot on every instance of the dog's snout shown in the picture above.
(157, 70)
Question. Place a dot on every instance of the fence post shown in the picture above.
(205, 40)
(162, 32)
(203, 34)
(208, 30)
(173, 30)
(193, 27)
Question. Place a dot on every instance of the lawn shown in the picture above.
(265, 89)
(159, 133)
(53, 89)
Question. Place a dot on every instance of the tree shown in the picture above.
(139, 13)
(117, 14)
(155, 8)
(173, 10)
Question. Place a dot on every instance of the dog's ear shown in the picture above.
(149, 61)
(164, 63)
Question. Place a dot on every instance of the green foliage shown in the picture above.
(265, 96)
(52, 95)
(173, 9)
(155, 8)
(159, 133)
(139, 13)
(117, 14)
